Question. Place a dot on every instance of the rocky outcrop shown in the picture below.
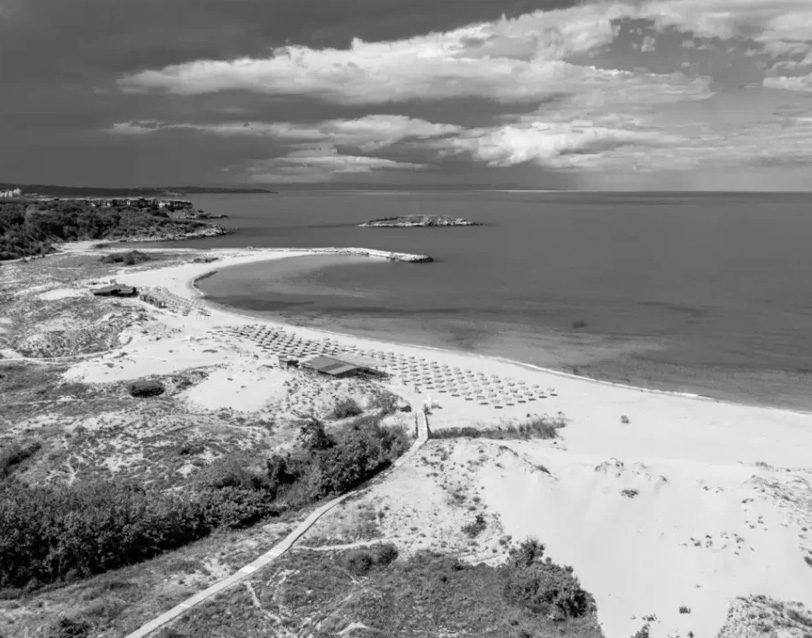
(209, 230)
(418, 221)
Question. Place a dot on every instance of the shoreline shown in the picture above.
(200, 295)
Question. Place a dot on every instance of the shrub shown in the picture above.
(346, 408)
(543, 587)
(363, 450)
(70, 628)
(15, 454)
(231, 472)
(360, 562)
(146, 388)
(49, 534)
(476, 527)
(312, 436)
(130, 258)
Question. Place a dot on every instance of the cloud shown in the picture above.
(761, 20)
(320, 165)
(508, 60)
(802, 83)
(610, 80)
(367, 133)
(559, 145)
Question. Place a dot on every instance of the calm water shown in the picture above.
(708, 293)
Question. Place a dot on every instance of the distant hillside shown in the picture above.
(35, 226)
(53, 190)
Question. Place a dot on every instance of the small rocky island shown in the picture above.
(418, 221)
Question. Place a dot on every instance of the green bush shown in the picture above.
(476, 527)
(14, 454)
(146, 388)
(313, 437)
(70, 628)
(51, 533)
(543, 587)
(346, 408)
(130, 258)
(361, 451)
(360, 562)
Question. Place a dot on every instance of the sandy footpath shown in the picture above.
(658, 500)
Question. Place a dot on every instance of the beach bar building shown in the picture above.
(337, 368)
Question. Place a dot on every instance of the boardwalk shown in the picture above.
(276, 551)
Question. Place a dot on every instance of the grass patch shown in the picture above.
(129, 258)
(541, 428)
(428, 594)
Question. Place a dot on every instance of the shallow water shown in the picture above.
(706, 293)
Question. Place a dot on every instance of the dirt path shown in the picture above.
(277, 550)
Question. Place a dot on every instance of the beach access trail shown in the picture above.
(282, 546)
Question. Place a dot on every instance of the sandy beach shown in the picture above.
(661, 502)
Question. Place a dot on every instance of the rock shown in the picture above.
(418, 221)
(146, 388)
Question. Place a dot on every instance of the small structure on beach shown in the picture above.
(115, 290)
(288, 362)
(338, 368)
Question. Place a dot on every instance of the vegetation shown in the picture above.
(346, 408)
(14, 454)
(61, 533)
(541, 428)
(542, 586)
(476, 527)
(31, 227)
(146, 388)
(130, 258)
(427, 594)
(360, 562)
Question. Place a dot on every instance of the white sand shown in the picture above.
(634, 554)
(61, 293)
(240, 387)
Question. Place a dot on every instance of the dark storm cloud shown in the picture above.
(59, 60)
(78, 39)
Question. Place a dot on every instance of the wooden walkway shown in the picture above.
(277, 550)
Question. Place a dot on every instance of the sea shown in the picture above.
(702, 293)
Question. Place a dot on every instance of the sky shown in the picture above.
(592, 95)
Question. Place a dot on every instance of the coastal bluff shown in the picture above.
(418, 221)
